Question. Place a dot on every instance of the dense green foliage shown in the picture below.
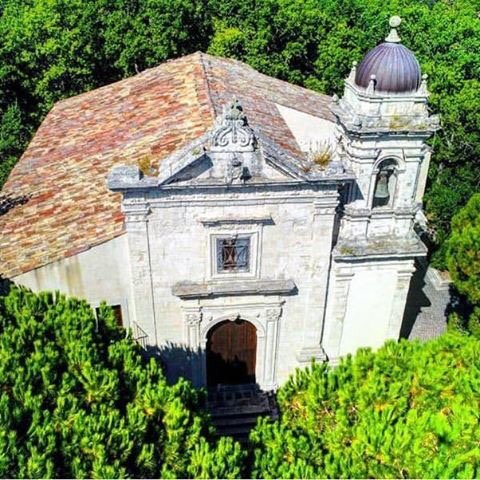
(78, 400)
(410, 410)
(52, 49)
(463, 250)
(463, 259)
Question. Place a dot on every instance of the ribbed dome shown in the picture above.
(395, 67)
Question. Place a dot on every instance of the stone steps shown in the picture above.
(234, 409)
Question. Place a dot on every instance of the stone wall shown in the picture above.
(100, 273)
(283, 294)
(366, 303)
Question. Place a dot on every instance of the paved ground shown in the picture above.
(426, 310)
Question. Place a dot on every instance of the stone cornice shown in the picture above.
(187, 290)
(213, 222)
(387, 248)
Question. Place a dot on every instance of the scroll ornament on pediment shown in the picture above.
(232, 132)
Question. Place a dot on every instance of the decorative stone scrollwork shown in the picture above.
(193, 319)
(232, 133)
(273, 314)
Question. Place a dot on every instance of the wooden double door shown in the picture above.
(231, 353)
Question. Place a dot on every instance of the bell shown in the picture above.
(381, 190)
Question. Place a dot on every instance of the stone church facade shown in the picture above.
(280, 232)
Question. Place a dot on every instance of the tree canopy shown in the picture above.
(463, 260)
(57, 48)
(409, 410)
(77, 400)
(463, 250)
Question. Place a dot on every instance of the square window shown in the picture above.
(117, 313)
(233, 254)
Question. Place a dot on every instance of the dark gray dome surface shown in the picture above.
(395, 67)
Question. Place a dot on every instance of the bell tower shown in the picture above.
(383, 124)
(382, 127)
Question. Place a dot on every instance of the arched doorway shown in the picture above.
(231, 353)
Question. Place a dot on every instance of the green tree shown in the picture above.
(143, 33)
(13, 139)
(463, 250)
(78, 400)
(409, 410)
(463, 260)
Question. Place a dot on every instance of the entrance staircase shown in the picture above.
(235, 408)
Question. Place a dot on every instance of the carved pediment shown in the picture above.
(231, 132)
(232, 153)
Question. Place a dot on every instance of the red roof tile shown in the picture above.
(64, 169)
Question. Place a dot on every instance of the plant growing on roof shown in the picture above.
(147, 165)
(321, 153)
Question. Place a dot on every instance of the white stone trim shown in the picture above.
(397, 155)
(437, 281)
(254, 232)
(265, 315)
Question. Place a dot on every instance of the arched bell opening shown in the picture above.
(385, 184)
(231, 353)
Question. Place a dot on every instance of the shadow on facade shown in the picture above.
(416, 299)
(178, 361)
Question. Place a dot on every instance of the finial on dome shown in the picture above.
(353, 71)
(371, 84)
(423, 86)
(394, 23)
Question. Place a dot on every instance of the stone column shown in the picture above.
(272, 317)
(136, 219)
(193, 318)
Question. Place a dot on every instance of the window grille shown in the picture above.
(233, 254)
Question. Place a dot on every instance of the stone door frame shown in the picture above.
(264, 315)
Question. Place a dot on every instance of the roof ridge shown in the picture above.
(207, 84)
(130, 78)
(243, 63)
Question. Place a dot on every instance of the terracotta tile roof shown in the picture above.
(64, 169)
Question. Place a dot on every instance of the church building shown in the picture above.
(240, 226)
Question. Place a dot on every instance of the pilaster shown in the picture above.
(336, 308)
(192, 319)
(322, 221)
(136, 212)
(272, 318)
